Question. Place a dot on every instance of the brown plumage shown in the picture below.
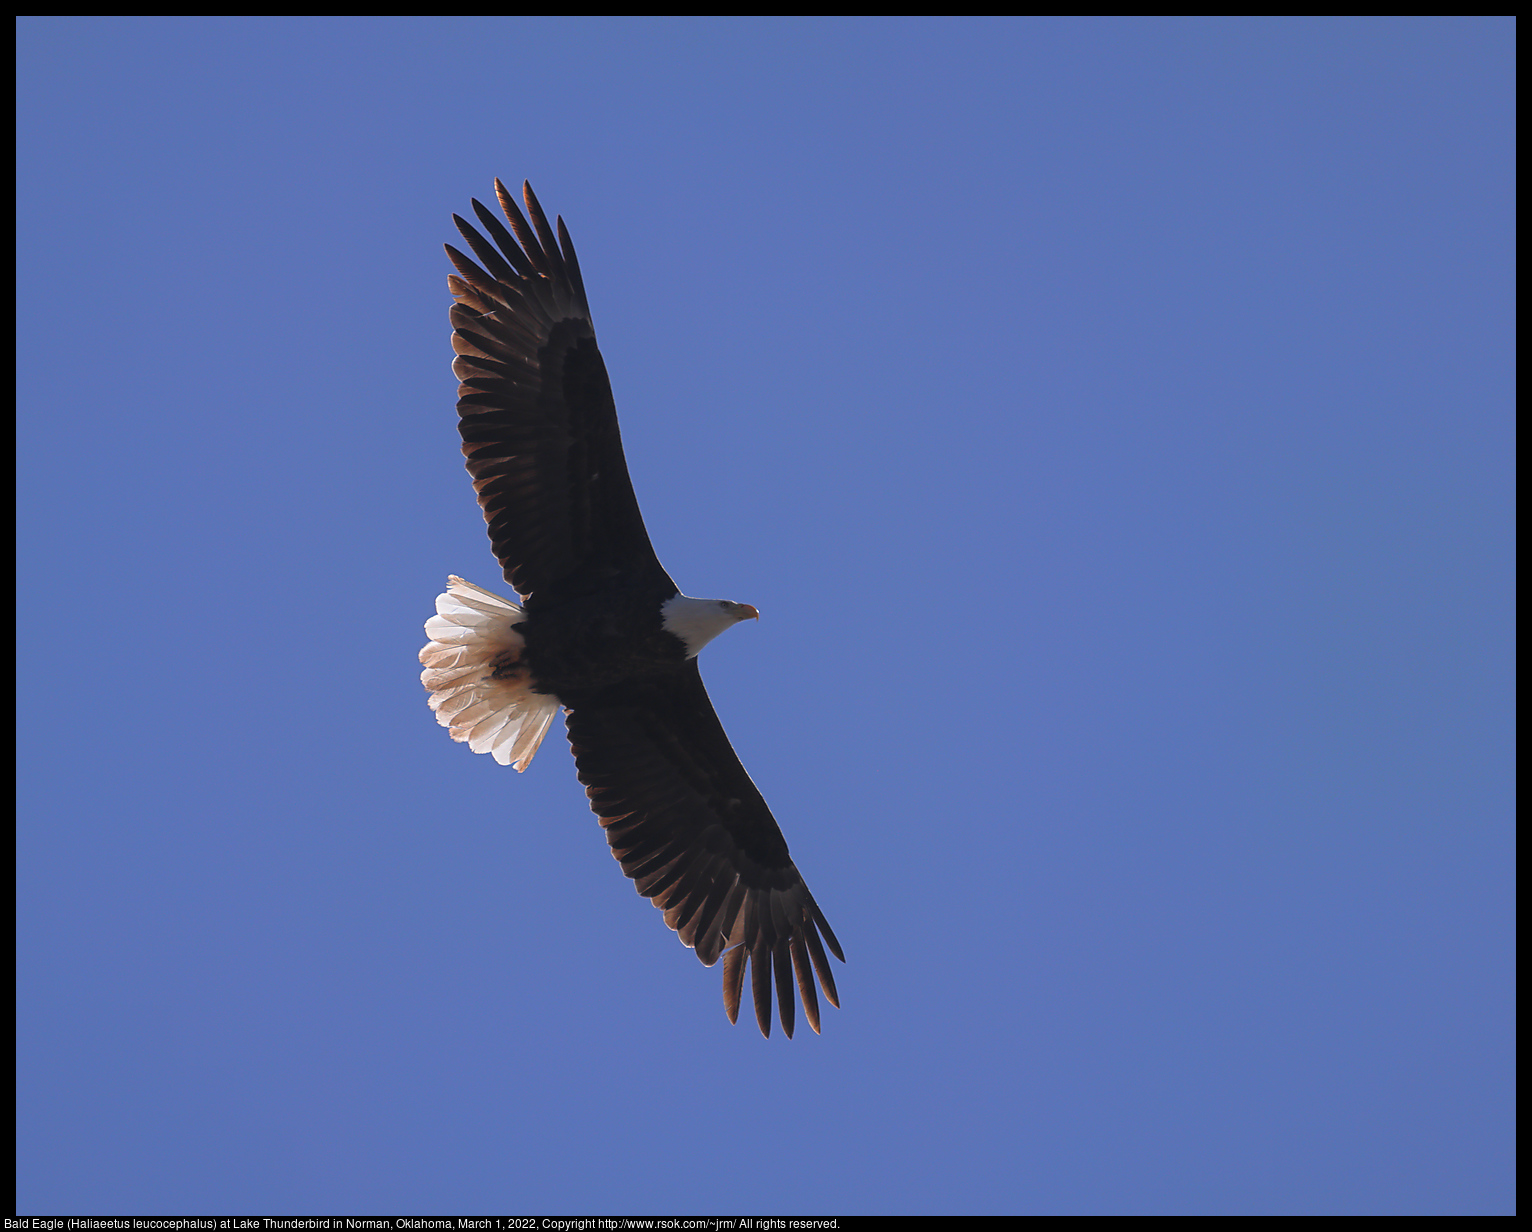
(603, 630)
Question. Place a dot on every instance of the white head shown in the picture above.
(698, 621)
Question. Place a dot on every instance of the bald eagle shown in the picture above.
(601, 630)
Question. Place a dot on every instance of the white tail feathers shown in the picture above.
(480, 689)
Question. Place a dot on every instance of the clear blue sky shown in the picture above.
(1112, 421)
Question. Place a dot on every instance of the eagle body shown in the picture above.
(602, 634)
(587, 643)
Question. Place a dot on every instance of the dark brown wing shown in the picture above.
(536, 414)
(690, 828)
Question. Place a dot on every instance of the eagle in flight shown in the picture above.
(601, 631)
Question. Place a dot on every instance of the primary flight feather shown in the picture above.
(601, 630)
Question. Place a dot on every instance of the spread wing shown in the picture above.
(536, 414)
(692, 831)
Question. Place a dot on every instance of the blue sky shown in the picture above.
(1111, 420)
